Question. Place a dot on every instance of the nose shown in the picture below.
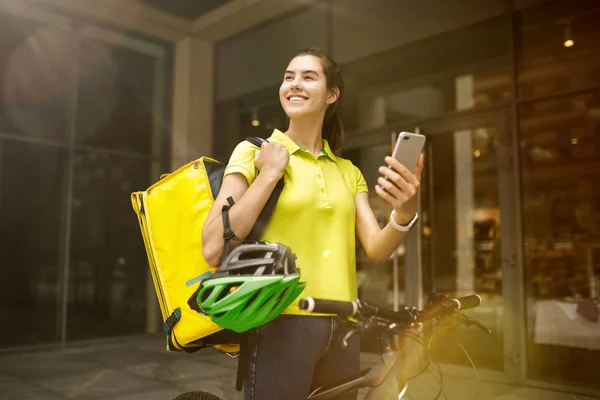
(296, 83)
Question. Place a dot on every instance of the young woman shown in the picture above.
(323, 207)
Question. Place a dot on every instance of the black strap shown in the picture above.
(172, 320)
(227, 232)
(256, 140)
(260, 225)
(242, 361)
(265, 215)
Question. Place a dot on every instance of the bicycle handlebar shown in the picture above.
(353, 308)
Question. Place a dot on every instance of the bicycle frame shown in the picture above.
(383, 379)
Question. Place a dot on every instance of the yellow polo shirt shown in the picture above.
(315, 216)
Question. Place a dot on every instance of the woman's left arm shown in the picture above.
(400, 190)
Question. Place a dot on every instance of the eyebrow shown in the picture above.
(308, 71)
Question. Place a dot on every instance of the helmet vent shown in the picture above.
(251, 300)
(282, 294)
(206, 294)
(226, 290)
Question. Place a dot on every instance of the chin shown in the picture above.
(300, 112)
(295, 113)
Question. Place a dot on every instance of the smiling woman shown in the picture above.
(322, 208)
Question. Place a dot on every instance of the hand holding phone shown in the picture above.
(408, 149)
(399, 184)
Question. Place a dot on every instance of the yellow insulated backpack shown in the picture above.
(171, 214)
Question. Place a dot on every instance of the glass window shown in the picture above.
(107, 279)
(460, 210)
(116, 98)
(560, 153)
(32, 178)
(559, 47)
(34, 78)
(456, 93)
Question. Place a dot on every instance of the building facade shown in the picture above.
(507, 94)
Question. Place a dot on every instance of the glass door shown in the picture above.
(461, 244)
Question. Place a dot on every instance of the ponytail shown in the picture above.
(333, 128)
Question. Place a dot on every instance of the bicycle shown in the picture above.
(385, 379)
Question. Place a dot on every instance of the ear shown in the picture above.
(333, 95)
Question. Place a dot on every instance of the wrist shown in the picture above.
(402, 218)
(399, 224)
(270, 175)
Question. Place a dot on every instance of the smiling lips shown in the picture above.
(297, 99)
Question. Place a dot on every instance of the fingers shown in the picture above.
(384, 195)
(392, 176)
(408, 176)
(420, 166)
(389, 187)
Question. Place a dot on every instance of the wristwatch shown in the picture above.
(403, 228)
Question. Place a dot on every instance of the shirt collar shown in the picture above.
(292, 147)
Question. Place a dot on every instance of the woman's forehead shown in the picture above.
(304, 63)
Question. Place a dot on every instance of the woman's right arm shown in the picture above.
(271, 160)
(249, 202)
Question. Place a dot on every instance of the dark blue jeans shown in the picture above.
(293, 355)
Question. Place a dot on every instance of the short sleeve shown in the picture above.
(242, 161)
(361, 183)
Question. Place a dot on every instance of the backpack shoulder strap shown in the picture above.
(256, 140)
(265, 215)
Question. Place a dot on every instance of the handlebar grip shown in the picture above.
(341, 308)
(471, 301)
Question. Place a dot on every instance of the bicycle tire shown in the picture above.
(197, 396)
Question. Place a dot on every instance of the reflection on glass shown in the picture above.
(461, 236)
(107, 285)
(31, 178)
(560, 47)
(115, 105)
(460, 92)
(560, 153)
(35, 67)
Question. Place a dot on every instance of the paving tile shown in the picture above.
(187, 369)
(6, 377)
(44, 365)
(143, 370)
(154, 394)
(538, 394)
(19, 390)
(103, 383)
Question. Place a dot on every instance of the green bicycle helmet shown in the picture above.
(253, 285)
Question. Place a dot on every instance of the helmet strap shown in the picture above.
(227, 232)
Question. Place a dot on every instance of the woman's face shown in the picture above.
(303, 91)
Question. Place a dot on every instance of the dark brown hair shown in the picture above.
(333, 128)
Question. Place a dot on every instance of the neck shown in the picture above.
(307, 132)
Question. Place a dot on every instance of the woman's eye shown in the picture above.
(309, 78)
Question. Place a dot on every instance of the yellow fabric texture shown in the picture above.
(171, 214)
(315, 216)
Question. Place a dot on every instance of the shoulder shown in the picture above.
(242, 161)
(353, 175)
(244, 147)
(347, 166)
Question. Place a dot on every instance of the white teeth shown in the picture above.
(296, 98)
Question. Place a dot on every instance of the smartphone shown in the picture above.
(408, 149)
